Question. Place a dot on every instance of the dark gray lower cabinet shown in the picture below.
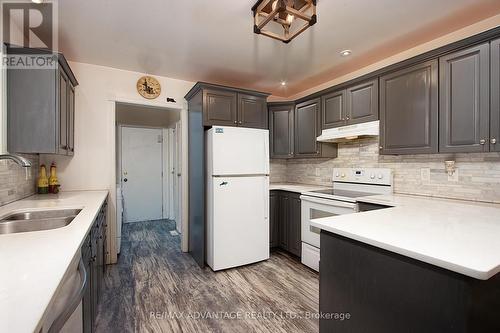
(285, 224)
(464, 100)
(94, 257)
(409, 110)
(495, 96)
(386, 292)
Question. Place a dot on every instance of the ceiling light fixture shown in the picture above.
(285, 15)
(37, 1)
(345, 53)
(283, 83)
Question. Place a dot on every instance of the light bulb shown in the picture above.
(290, 18)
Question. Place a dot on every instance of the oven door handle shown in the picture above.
(329, 202)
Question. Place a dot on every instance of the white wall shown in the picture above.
(93, 165)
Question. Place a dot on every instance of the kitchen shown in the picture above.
(376, 152)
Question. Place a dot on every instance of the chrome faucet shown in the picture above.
(25, 163)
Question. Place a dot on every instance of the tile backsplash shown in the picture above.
(15, 183)
(477, 178)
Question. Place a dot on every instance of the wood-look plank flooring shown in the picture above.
(155, 287)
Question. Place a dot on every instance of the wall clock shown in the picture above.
(148, 87)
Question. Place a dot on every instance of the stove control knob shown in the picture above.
(343, 175)
(380, 176)
(337, 175)
(372, 176)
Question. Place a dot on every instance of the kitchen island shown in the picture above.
(417, 265)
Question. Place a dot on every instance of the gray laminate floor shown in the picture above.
(157, 288)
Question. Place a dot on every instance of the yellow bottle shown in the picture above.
(43, 182)
(53, 181)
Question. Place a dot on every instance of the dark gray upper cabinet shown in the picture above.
(41, 107)
(307, 128)
(219, 108)
(252, 111)
(495, 96)
(353, 105)
(362, 102)
(409, 110)
(464, 100)
(227, 106)
(281, 131)
(333, 114)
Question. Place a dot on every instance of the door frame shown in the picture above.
(182, 107)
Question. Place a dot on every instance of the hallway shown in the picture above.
(156, 288)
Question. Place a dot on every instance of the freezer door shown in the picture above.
(238, 230)
(237, 151)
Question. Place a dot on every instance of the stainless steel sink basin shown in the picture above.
(41, 214)
(37, 220)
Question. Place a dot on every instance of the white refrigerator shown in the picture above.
(237, 196)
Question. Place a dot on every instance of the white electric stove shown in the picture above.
(348, 185)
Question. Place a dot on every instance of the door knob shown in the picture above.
(125, 180)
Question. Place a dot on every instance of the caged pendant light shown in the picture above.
(283, 19)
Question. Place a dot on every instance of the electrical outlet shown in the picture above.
(425, 175)
(454, 177)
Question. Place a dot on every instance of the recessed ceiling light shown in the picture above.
(345, 53)
(283, 83)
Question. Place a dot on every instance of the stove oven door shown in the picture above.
(314, 208)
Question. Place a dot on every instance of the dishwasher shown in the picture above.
(65, 311)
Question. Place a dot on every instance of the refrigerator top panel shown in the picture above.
(237, 151)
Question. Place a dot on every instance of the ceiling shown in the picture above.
(213, 41)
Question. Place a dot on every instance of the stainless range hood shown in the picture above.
(350, 132)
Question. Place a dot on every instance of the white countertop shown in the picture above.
(296, 187)
(34, 263)
(460, 236)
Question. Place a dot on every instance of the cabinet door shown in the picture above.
(362, 102)
(409, 110)
(464, 87)
(294, 226)
(281, 131)
(284, 204)
(307, 129)
(219, 108)
(274, 219)
(495, 96)
(63, 83)
(71, 119)
(333, 111)
(252, 111)
(87, 295)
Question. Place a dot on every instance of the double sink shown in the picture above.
(37, 220)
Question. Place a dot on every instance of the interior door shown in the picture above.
(142, 173)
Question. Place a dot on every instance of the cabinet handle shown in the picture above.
(482, 141)
(240, 122)
(64, 147)
(347, 117)
(380, 147)
(235, 122)
(493, 141)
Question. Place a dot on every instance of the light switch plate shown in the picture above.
(425, 175)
